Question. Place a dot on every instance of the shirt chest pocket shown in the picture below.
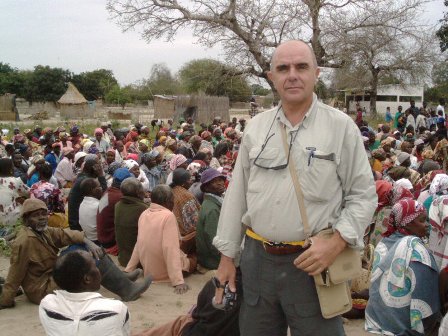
(318, 176)
(260, 161)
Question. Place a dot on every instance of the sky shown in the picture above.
(78, 35)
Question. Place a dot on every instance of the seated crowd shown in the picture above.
(151, 200)
(155, 203)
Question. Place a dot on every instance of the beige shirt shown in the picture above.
(337, 182)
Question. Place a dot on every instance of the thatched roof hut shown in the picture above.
(73, 104)
(201, 108)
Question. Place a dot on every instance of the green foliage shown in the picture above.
(161, 81)
(12, 80)
(46, 84)
(258, 90)
(95, 84)
(440, 79)
(214, 78)
(442, 32)
(118, 95)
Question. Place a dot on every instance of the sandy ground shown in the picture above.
(157, 306)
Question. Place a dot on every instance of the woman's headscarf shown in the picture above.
(129, 164)
(87, 145)
(379, 154)
(399, 193)
(132, 156)
(405, 183)
(384, 192)
(176, 161)
(93, 150)
(113, 167)
(439, 186)
(403, 213)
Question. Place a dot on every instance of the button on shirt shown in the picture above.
(88, 313)
(333, 171)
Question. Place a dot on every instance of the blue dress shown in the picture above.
(404, 287)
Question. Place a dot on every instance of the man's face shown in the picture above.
(400, 108)
(37, 220)
(17, 159)
(412, 103)
(98, 136)
(217, 186)
(294, 73)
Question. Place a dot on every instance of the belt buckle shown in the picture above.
(269, 244)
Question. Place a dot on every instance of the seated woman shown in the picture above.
(157, 248)
(12, 193)
(186, 209)
(404, 296)
(51, 196)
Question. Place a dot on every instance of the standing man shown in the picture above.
(328, 153)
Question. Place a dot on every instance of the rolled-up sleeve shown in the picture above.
(360, 198)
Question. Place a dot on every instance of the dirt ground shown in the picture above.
(157, 306)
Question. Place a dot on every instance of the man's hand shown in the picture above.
(96, 250)
(181, 289)
(321, 254)
(226, 272)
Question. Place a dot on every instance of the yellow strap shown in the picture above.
(255, 236)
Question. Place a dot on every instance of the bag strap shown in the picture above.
(295, 181)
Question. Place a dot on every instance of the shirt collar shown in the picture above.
(310, 115)
(84, 296)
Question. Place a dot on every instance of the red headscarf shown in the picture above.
(403, 213)
(384, 192)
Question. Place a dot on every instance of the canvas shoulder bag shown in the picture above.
(332, 285)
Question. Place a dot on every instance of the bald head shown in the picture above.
(293, 44)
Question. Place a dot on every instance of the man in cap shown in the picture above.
(338, 191)
(241, 125)
(34, 253)
(213, 186)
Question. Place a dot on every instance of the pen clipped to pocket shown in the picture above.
(313, 154)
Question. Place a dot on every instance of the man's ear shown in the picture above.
(87, 279)
(269, 73)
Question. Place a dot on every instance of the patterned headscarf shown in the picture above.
(176, 161)
(439, 186)
(403, 213)
(399, 193)
(93, 150)
(113, 167)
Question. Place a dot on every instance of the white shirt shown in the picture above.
(337, 182)
(87, 217)
(88, 313)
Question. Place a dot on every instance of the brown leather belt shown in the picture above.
(274, 247)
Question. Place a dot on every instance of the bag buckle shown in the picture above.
(326, 277)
